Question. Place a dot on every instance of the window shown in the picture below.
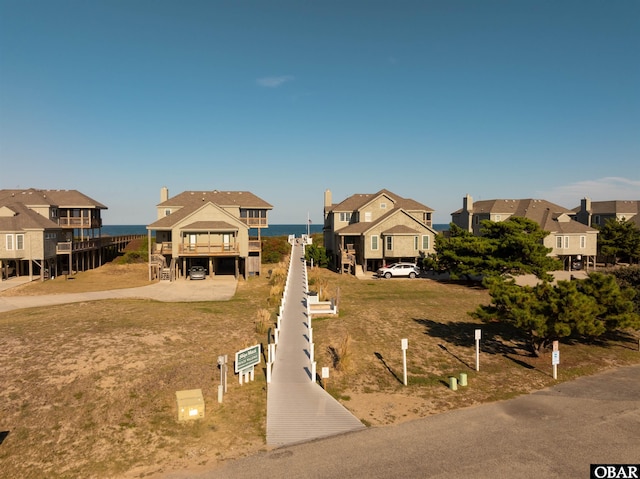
(374, 242)
(415, 243)
(167, 212)
(596, 220)
(498, 218)
(345, 217)
(583, 242)
(19, 242)
(389, 241)
(562, 242)
(383, 206)
(54, 212)
(9, 242)
(566, 242)
(476, 219)
(367, 216)
(559, 242)
(425, 242)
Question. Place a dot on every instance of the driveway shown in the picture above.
(219, 288)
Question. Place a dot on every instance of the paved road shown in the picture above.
(220, 288)
(553, 433)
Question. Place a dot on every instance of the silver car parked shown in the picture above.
(197, 272)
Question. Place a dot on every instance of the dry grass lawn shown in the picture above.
(88, 389)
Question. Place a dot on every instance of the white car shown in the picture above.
(408, 270)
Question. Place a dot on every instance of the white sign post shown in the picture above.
(325, 376)
(478, 336)
(405, 346)
(555, 359)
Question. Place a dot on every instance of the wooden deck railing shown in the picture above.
(200, 249)
(74, 222)
(255, 222)
(66, 247)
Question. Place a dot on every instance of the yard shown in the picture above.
(89, 388)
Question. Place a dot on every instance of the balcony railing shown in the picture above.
(255, 245)
(73, 246)
(67, 222)
(66, 247)
(255, 222)
(201, 249)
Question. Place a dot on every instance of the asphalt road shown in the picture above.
(554, 433)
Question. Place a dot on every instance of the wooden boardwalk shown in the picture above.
(298, 409)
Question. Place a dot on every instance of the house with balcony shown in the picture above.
(572, 242)
(597, 213)
(210, 229)
(366, 231)
(49, 232)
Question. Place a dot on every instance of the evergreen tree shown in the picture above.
(619, 241)
(506, 248)
(588, 308)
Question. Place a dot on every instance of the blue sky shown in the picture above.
(429, 99)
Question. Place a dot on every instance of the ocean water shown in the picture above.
(272, 230)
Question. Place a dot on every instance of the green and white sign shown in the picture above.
(247, 358)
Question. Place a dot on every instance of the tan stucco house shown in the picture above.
(574, 243)
(367, 231)
(597, 213)
(49, 232)
(209, 229)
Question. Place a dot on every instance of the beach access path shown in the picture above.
(298, 409)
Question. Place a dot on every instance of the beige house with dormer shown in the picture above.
(367, 231)
(209, 229)
(572, 242)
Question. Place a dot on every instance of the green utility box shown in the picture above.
(190, 404)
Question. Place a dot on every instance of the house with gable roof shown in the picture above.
(572, 242)
(597, 213)
(209, 229)
(49, 232)
(367, 231)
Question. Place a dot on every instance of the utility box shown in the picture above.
(190, 404)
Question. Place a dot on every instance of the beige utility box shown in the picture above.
(190, 404)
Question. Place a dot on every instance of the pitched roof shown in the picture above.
(363, 226)
(18, 217)
(630, 207)
(56, 198)
(359, 200)
(242, 199)
(169, 221)
(550, 216)
(400, 230)
(210, 225)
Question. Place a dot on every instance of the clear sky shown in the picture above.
(429, 99)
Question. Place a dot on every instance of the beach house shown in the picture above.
(572, 242)
(49, 232)
(212, 229)
(367, 231)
